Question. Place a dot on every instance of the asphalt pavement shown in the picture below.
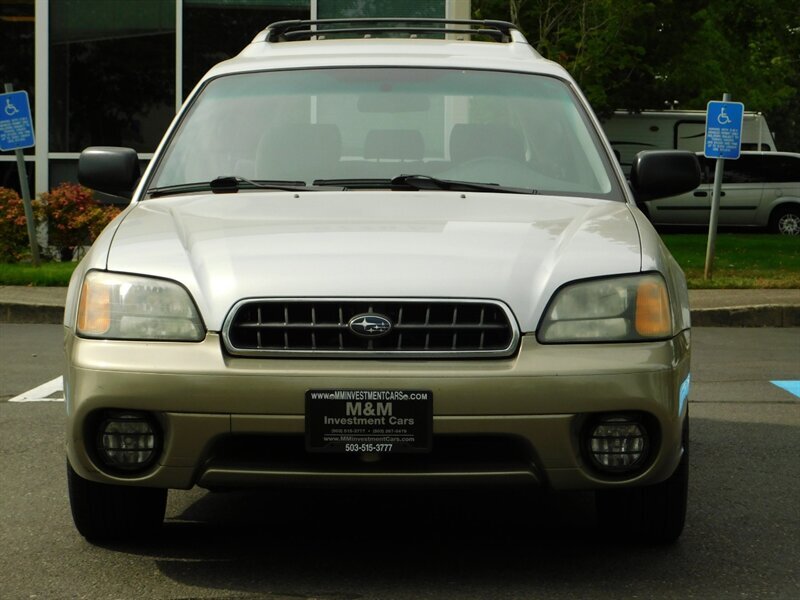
(710, 308)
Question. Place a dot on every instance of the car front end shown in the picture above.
(337, 302)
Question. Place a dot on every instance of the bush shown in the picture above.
(14, 243)
(74, 218)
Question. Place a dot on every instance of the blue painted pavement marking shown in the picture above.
(793, 387)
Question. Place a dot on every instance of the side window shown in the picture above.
(747, 169)
(706, 169)
(782, 168)
(754, 146)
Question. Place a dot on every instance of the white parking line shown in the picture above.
(52, 391)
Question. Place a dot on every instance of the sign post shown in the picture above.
(723, 141)
(16, 133)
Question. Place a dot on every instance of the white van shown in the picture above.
(630, 133)
(760, 189)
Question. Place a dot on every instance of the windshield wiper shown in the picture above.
(227, 185)
(422, 182)
(426, 182)
(355, 184)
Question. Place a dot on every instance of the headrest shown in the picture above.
(299, 151)
(478, 140)
(394, 144)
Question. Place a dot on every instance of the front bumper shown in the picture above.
(233, 422)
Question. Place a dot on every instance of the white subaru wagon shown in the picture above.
(380, 253)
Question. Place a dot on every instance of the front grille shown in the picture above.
(419, 328)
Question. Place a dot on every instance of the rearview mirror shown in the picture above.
(662, 173)
(109, 169)
(393, 103)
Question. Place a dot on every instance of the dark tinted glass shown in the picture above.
(216, 30)
(112, 73)
(747, 169)
(381, 8)
(16, 50)
(9, 175)
(781, 168)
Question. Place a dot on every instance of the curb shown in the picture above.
(31, 314)
(769, 315)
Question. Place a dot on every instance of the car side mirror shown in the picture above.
(662, 173)
(109, 169)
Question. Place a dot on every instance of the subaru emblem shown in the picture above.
(370, 325)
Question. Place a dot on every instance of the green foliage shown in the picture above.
(635, 54)
(48, 274)
(740, 260)
(74, 218)
(14, 243)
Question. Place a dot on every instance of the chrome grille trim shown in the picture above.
(422, 328)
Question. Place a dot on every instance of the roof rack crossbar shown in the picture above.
(284, 31)
(290, 36)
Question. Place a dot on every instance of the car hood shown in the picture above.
(515, 248)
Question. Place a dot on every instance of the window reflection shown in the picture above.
(112, 73)
(16, 51)
(216, 30)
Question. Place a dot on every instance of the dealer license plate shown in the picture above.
(358, 421)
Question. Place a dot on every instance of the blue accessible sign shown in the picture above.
(724, 129)
(16, 125)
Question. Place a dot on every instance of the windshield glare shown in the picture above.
(509, 129)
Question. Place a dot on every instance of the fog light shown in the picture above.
(618, 444)
(128, 441)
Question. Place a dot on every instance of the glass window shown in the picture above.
(343, 9)
(707, 166)
(511, 129)
(112, 73)
(9, 175)
(17, 49)
(746, 169)
(781, 169)
(215, 30)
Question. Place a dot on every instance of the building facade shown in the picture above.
(114, 72)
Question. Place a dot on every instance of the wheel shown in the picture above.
(114, 512)
(786, 220)
(654, 513)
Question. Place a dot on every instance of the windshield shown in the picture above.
(374, 124)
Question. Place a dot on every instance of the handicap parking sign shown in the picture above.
(724, 129)
(16, 125)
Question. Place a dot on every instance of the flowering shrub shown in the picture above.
(14, 243)
(74, 218)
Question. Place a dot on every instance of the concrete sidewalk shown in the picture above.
(710, 308)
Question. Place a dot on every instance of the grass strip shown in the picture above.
(741, 260)
(47, 274)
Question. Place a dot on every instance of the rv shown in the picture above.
(630, 132)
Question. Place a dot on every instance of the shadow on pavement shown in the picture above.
(499, 543)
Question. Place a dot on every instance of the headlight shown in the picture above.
(114, 306)
(630, 308)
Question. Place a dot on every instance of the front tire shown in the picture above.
(654, 513)
(104, 512)
(786, 220)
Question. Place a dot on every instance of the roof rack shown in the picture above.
(289, 31)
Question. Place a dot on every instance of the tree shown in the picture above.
(633, 54)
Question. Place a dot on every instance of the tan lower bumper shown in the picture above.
(540, 398)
